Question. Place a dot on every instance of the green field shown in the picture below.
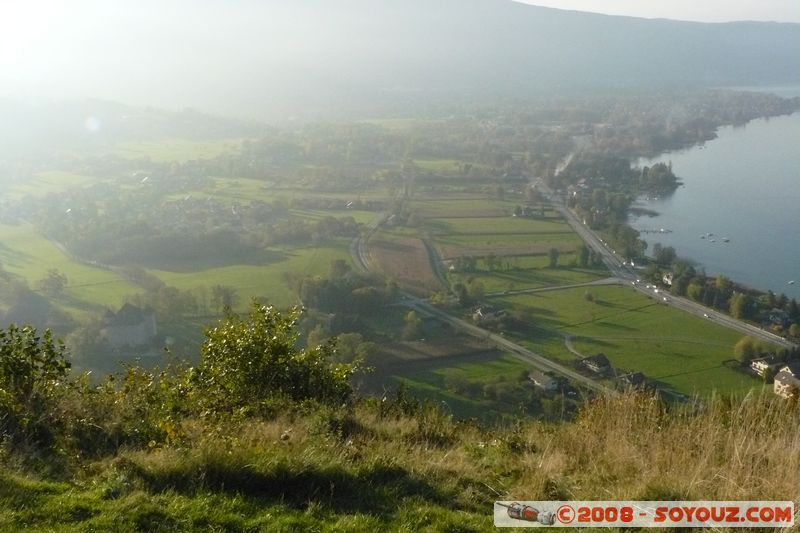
(531, 278)
(45, 183)
(178, 150)
(362, 217)
(563, 240)
(636, 333)
(426, 380)
(27, 254)
(246, 190)
(266, 279)
(521, 244)
(496, 225)
(439, 166)
(459, 202)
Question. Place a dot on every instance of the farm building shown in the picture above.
(633, 380)
(765, 364)
(786, 384)
(599, 364)
(130, 326)
(543, 381)
(488, 315)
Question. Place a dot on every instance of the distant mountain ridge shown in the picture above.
(276, 59)
(528, 44)
(417, 48)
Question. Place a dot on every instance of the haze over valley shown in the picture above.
(376, 264)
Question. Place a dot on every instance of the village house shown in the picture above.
(633, 380)
(786, 384)
(793, 367)
(667, 279)
(543, 381)
(779, 317)
(488, 315)
(766, 364)
(130, 326)
(599, 364)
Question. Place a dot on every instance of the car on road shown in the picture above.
(705, 315)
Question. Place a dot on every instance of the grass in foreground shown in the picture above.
(380, 469)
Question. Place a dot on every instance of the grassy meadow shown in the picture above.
(475, 226)
(27, 254)
(48, 182)
(426, 379)
(636, 333)
(496, 226)
(178, 150)
(264, 278)
(534, 277)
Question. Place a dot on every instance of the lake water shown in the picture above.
(744, 186)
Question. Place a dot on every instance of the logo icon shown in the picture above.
(527, 513)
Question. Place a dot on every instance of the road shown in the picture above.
(628, 275)
(358, 250)
(358, 246)
(513, 348)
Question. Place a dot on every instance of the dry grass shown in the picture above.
(629, 447)
(383, 466)
(404, 260)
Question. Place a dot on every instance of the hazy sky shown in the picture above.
(697, 10)
(222, 55)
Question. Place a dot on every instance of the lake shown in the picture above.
(743, 186)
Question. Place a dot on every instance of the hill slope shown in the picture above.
(266, 59)
(385, 468)
(418, 50)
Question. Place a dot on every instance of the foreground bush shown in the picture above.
(248, 366)
(33, 372)
(248, 362)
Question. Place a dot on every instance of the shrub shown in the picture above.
(33, 370)
(247, 362)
